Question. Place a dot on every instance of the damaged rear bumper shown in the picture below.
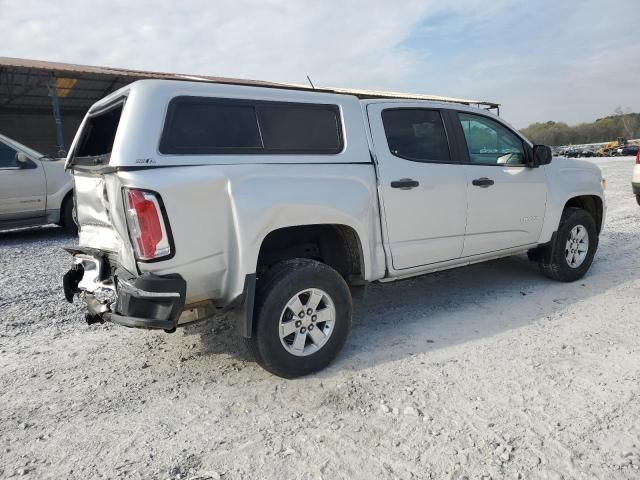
(117, 295)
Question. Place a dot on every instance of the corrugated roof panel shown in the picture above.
(23, 79)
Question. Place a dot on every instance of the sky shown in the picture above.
(562, 60)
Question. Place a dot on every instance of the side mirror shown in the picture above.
(541, 155)
(22, 160)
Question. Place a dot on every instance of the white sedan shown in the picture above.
(34, 189)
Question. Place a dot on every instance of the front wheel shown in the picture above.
(638, 198)
(302, 318)
(574, 246)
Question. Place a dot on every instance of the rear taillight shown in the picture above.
(146, 224)
(638, 157)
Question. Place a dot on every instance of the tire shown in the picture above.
(276, 291)
(558, 264)
(638, 198)
(66, 216)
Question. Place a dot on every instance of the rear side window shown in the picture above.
(197, 125)
(299, 128)
(99, 133)
(416, 134)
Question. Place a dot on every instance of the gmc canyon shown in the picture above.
(195, 198)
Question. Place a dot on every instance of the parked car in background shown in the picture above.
(573, 153)
(586, 153)
(628, 150)
(274, 203)
(635, 181)
(34, 189)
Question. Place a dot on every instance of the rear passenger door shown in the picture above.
(506, 197)
(422, 187)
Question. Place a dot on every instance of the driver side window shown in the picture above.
(490, 143)
(7, 156)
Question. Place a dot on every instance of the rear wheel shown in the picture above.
(66, 216)
(574, 247)
(638, 198)
(302, 318)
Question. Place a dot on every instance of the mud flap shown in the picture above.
(244, 311)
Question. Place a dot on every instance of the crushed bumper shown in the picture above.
(117, 295)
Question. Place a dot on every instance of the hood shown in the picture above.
(568, 164)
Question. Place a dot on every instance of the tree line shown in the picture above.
(605, 129)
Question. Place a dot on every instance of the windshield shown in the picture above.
(18, 146)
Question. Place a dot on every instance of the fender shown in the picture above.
(567, 179)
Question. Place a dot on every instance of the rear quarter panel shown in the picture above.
(219, 216)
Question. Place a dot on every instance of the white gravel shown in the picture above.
(490, 371)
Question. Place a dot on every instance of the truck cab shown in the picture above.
(197, 198)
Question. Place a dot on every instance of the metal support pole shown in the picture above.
(55, 105)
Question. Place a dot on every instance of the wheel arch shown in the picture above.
(68, 197)
(337, 245)
(334, 244)
(592, 204)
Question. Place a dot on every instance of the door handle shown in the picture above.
(405, 184)
(483, 182)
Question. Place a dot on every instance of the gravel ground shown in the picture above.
(490, 371)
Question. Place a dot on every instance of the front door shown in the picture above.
(506, 197)
(422, 187)
(22, 186)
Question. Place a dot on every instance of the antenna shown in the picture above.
(310, 82)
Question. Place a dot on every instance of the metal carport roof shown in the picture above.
(68, 89)
(26, 83)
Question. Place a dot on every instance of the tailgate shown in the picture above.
(100, 216)
(94, 212)
(97, 187)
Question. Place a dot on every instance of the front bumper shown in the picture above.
(117, 295)
(636, 188)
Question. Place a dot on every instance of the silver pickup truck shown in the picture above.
(195, 198)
